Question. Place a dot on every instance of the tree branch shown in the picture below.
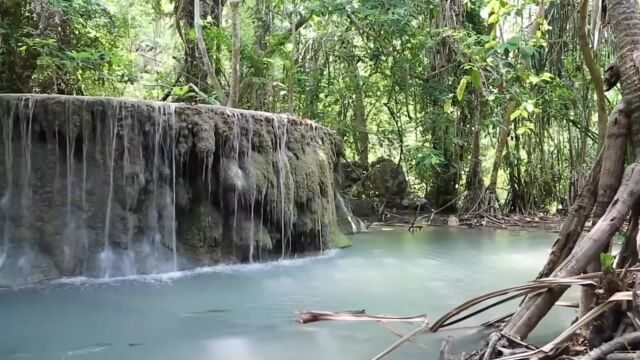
(202, 47)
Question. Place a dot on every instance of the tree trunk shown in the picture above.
(625, 23)
(615, 147)
(614, 152)
(234, 92)
(628, 251)
(594, 70)
(474, 178)
(204, 54)
(194, 69)
(502, 142)
(587, 249)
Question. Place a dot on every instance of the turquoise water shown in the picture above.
(247, 311)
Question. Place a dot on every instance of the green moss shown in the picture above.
(340, 240)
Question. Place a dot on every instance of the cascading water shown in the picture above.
(104, 187)
(5, 201)
(285, 191)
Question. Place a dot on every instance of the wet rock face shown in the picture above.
(110, 187)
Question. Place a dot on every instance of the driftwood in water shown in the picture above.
(305, 317)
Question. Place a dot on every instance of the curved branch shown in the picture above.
(202, 47)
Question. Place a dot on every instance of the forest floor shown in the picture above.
(412, 221)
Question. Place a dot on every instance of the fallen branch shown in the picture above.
(306, 317)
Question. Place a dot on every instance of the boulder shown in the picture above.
(413, 201)
(386, 179)
(362, 208)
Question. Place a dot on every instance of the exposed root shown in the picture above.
(623, 342)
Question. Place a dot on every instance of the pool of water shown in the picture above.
(247, 311)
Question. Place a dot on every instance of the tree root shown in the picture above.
(621, 343)
(537, 306)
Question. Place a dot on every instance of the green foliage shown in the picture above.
(424, 76)
(607, 261)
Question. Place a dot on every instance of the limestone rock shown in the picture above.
(144, 187)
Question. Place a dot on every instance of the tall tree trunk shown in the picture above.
(594, 70)
(474, 177)
(194, 69)
(204, 54)
(234, 92)
(502, 142)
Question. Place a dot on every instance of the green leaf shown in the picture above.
(447, 105)
(476, 79)
(461, 88)
(494, 18)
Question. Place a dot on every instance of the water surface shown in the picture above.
(247, 311)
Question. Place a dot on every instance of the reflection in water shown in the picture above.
(247, 311)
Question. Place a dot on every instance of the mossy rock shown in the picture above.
(340, 240)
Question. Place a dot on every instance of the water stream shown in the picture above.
(240, 312)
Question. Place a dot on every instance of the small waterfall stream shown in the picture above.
(107, 187)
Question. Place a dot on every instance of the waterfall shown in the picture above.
(105, 187)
